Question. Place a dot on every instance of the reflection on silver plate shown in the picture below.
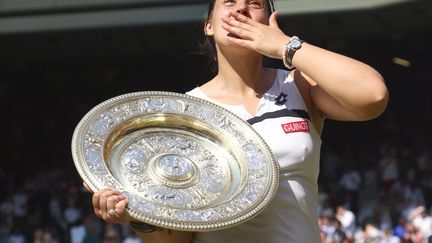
(183, 163)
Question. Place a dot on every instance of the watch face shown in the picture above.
(295, 44)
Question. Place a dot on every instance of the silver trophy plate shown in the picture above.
(183, 163)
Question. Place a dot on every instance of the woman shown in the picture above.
(324, 85)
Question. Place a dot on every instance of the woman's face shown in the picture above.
(254, 9)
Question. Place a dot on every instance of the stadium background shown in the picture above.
(59, 58)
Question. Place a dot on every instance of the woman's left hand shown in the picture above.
(269, 40)
(110, 205)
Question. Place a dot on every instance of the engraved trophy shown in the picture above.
(183, 163)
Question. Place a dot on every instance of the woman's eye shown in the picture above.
(229, 2)
(257, 4)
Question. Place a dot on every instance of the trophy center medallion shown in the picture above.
(175, 167)
(174, 170)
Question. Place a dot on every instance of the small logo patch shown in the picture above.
(281, 99)
(300, 126)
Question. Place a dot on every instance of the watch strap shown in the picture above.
(290, 51)
(143, 227)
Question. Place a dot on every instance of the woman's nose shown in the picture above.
(242, 8)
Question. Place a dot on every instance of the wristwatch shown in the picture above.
(294, 43)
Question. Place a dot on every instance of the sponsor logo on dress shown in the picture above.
(281, 99)
(300, 126)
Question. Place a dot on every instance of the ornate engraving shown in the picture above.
(103, 125)
(95, 161)
(255, 156)
(183, 163)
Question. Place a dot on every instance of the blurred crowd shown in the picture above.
(52, 207)
(386, 201)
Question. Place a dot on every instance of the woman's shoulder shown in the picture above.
(197, 92)
(206, 90)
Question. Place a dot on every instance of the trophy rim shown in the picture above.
(93, 181)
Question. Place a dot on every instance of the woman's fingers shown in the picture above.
(241, 18)
(236, 32)
(117, 211)
(268, 40)
(100, 200)
(237, 27)
(240, 42)
(121, 211)
(96, 201)
(110, 205)
(244, 27)
(106, 201)
(236, 23)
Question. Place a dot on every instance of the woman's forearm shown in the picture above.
(355, 85)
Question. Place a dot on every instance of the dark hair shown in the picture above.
(207, 47)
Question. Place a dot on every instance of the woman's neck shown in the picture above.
(242, 74)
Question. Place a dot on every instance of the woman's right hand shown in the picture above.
(106, 199)
(110, 205)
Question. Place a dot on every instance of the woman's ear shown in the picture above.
(208, 30)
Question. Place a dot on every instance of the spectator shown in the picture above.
(422, 221)
(413, 234)
(72, 213)
(338, 235)
(93, 229)
(7, 210)
(323, 236)
(17, 236)
(347, 220)
(38, 236)
(326, 228)
(407, 207)
(49, 236)
(400, 229)
(77, 233)
(372, 233)
(326, 210)
(20, 199)
(55, 209)
(388, 237)
(350, 183)
(389, 169)
(381, 214)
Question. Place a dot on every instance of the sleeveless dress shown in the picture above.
(283, 122)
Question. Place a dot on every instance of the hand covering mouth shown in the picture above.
(233, 36)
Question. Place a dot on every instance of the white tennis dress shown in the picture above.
(283, 121)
